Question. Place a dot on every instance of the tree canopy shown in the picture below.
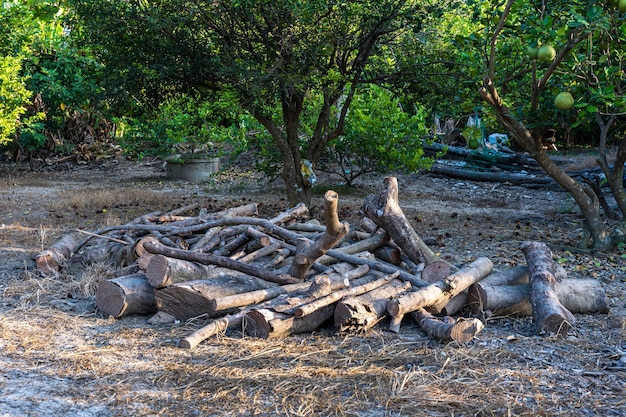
(275, 55)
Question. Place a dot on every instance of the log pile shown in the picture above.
(286, 275)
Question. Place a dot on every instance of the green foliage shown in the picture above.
(14, 97)
(48, 79)
(380, 136)
(593, 72)
(186, 124)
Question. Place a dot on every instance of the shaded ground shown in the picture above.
(59, 356)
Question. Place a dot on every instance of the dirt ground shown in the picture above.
(60, 356)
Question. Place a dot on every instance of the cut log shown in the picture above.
(127, 295)
(306, 253)
(269, 324)
(210, 259)
(279, 320)
(385, 211)
(388, 254)
(437, 295)
(361, 313)
(162, 271)
(549, 315)
(216, 326)
(447, 329)
(50, 260)
(579, 296)
(194, 298)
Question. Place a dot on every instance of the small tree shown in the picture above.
(379, 136)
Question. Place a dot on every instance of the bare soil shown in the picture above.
(60, 356)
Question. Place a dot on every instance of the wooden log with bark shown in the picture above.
(211, 259)
(447, 329)
(194, 298)
(162, 271)
(126, 295)
(50, 260)
(337, 281)
(358, 314)
(385, 211)
(435, 296)
(278, 320)
(549, 315)
(307, 253)
(579, 296)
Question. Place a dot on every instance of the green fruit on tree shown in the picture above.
(622, 6)
(533, 51)
(564, 101)
(547, 53)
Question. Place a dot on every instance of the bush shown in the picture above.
(379, 137)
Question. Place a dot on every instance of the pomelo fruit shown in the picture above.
(564, 100)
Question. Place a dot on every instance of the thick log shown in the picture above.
(360, 313)
(447, 329)
(306, 254)
(162, 271)
(211, 259)
(437, 295)
(357, 289)
(277, 319)
(579, 296)
(194, 298)
(385, 211)
(388, 254)
(549, 315)
(269, 324)
(123, 296)
(52, 259)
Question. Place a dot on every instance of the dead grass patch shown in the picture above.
(104, 198)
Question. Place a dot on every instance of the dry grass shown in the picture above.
(59, 356)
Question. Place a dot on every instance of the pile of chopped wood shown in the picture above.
(286, 275)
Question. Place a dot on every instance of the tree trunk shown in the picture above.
(384, 210)
(584, 197)
(123, 296)
(550, 316)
